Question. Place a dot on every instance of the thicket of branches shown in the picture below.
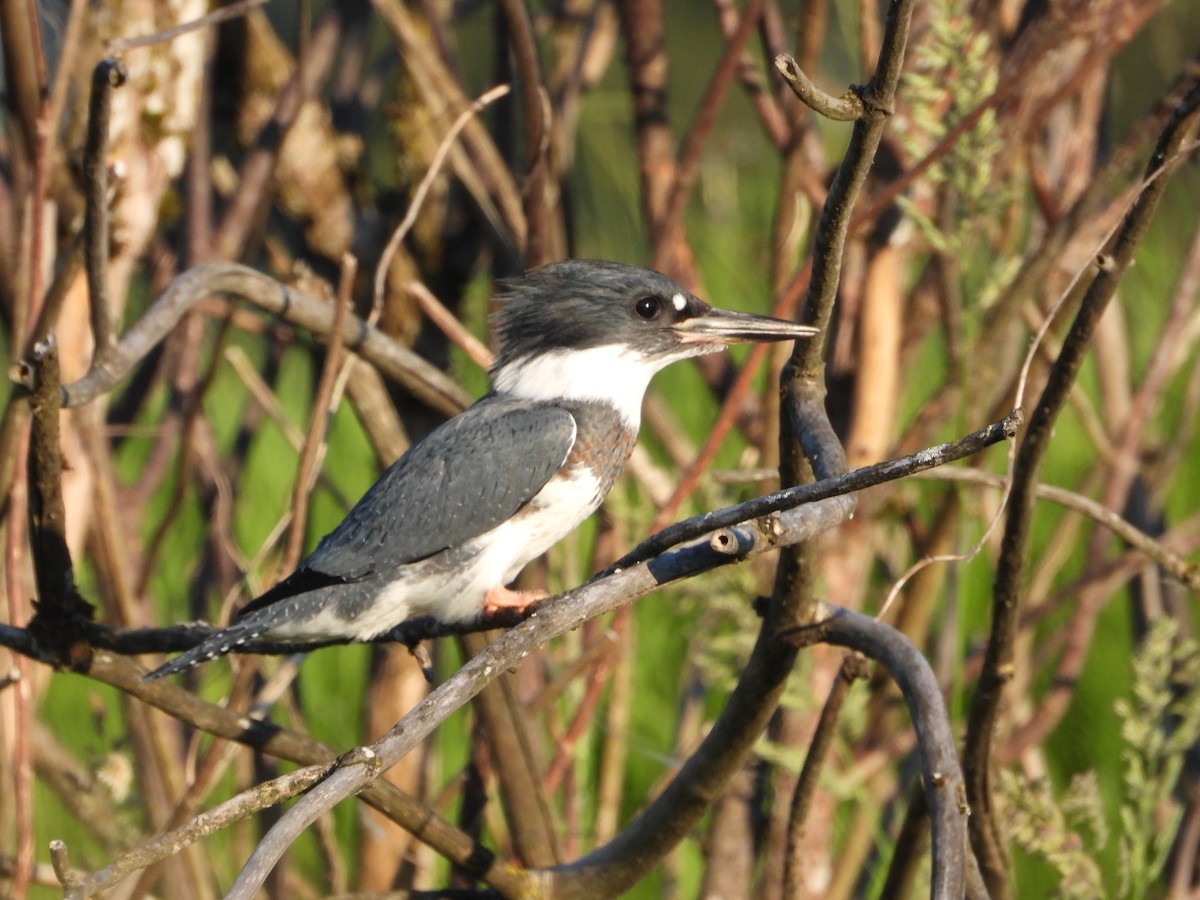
(245, 262)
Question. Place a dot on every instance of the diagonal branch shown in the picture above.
(622, 862)
(833, 486)
(763, 513)
(608, 869)
(1014, 549)
(422, 380)
(284, 743)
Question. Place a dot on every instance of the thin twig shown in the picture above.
(1010, 568)
(847, 108)
(853, 667)
(687, 168)
(63, 81)
(535, 115)
(418, 197)
(424, 381)
(774, 118)
(788, 498)
(21, 698)
(1185, 571)
(449, 325)
(108, 74)
(323, 408)
(216, 17)
(235, 809)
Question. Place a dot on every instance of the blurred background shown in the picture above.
(294, 136)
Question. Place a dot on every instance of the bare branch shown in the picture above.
(776, 511)
(324, 406)
(1185, 571)
(878, 97)
(108, 74)
(847, 108)
(216, 17)
(852, 667)
(612, 868)
(791, 497)
(284, 743)
(447, 323)
(59, 602)
(944, 790)
(543, 245)
(425, 382)
(245, 804)
(567, 612)
(418, 197)
(985, 707)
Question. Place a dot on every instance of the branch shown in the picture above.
(60, 609)
(791, 497)
(235, 809)
(325, 404)
(565, 613)
(619, 864)
(646, 59)
(944, 790)
(542, 245)
(1014, 549)
(1183, 570)
(422, 380)
(765, 513)
(847, 108)
(108, 74)
(852, 667)
(878, 97)
(802, 381)
(418, 197)
(283, 743)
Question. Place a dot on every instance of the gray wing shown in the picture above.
(468, 476)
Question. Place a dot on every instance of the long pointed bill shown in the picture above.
(725, 326)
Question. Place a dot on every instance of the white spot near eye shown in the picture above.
(680, 302)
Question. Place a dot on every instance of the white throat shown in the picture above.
(611, 374)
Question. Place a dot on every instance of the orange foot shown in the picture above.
(501, 598)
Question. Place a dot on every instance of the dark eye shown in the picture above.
(648, 307)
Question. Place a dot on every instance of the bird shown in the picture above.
(453, 521)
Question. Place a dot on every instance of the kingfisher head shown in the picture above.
(590, 330)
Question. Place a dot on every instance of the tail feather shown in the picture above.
(224, 641)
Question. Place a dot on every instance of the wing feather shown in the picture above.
(467, 477)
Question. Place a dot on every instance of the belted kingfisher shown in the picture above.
(454, 520)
